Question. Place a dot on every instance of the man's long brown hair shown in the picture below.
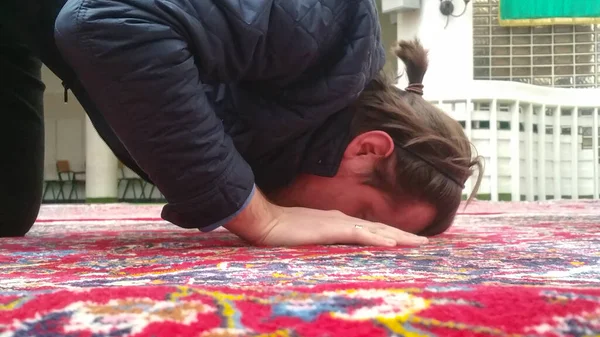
(432, 157)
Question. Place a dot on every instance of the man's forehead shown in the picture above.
(413, 217)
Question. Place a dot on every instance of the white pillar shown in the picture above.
(595, 153)
(556, 143)
(101, 167)
(574, 153)
(492, 168)
(515, 152)
(542, 154)
(530, 153)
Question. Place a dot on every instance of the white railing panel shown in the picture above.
(595, 153)
(533, 147)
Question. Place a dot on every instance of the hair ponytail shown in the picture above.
(414, 57)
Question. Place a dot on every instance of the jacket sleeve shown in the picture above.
(139, 70)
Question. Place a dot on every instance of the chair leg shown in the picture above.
(143, 188)
(60, 190)
(125, 190)
(127, 183)
(118, 186)
(151, 192)
(72, 190)
(45, 190)
(161, 196)
(133, 189)
(49, 187)
(76, 190)
(54, 193)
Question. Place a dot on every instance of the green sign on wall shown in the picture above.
(548, 12)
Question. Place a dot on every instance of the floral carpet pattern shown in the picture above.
(504, 269)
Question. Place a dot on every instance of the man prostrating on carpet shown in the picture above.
(269, 118)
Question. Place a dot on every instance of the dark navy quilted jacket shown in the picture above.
(214, 97)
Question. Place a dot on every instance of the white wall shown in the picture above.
(64, 127)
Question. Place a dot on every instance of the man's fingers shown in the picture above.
(361, 232)
(402, 237)
(363, 236)
(371, 236)
(399, 236)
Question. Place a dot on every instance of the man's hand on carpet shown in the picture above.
(303, 226)
(265, 224)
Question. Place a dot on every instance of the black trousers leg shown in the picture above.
(21, 138)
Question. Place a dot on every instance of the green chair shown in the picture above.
(67, 176)
(130, 182)
(52, 185)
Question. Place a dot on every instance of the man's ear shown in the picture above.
(375, 144)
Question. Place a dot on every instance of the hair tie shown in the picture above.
(416, 88)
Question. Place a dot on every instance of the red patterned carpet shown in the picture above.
(504, 269)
